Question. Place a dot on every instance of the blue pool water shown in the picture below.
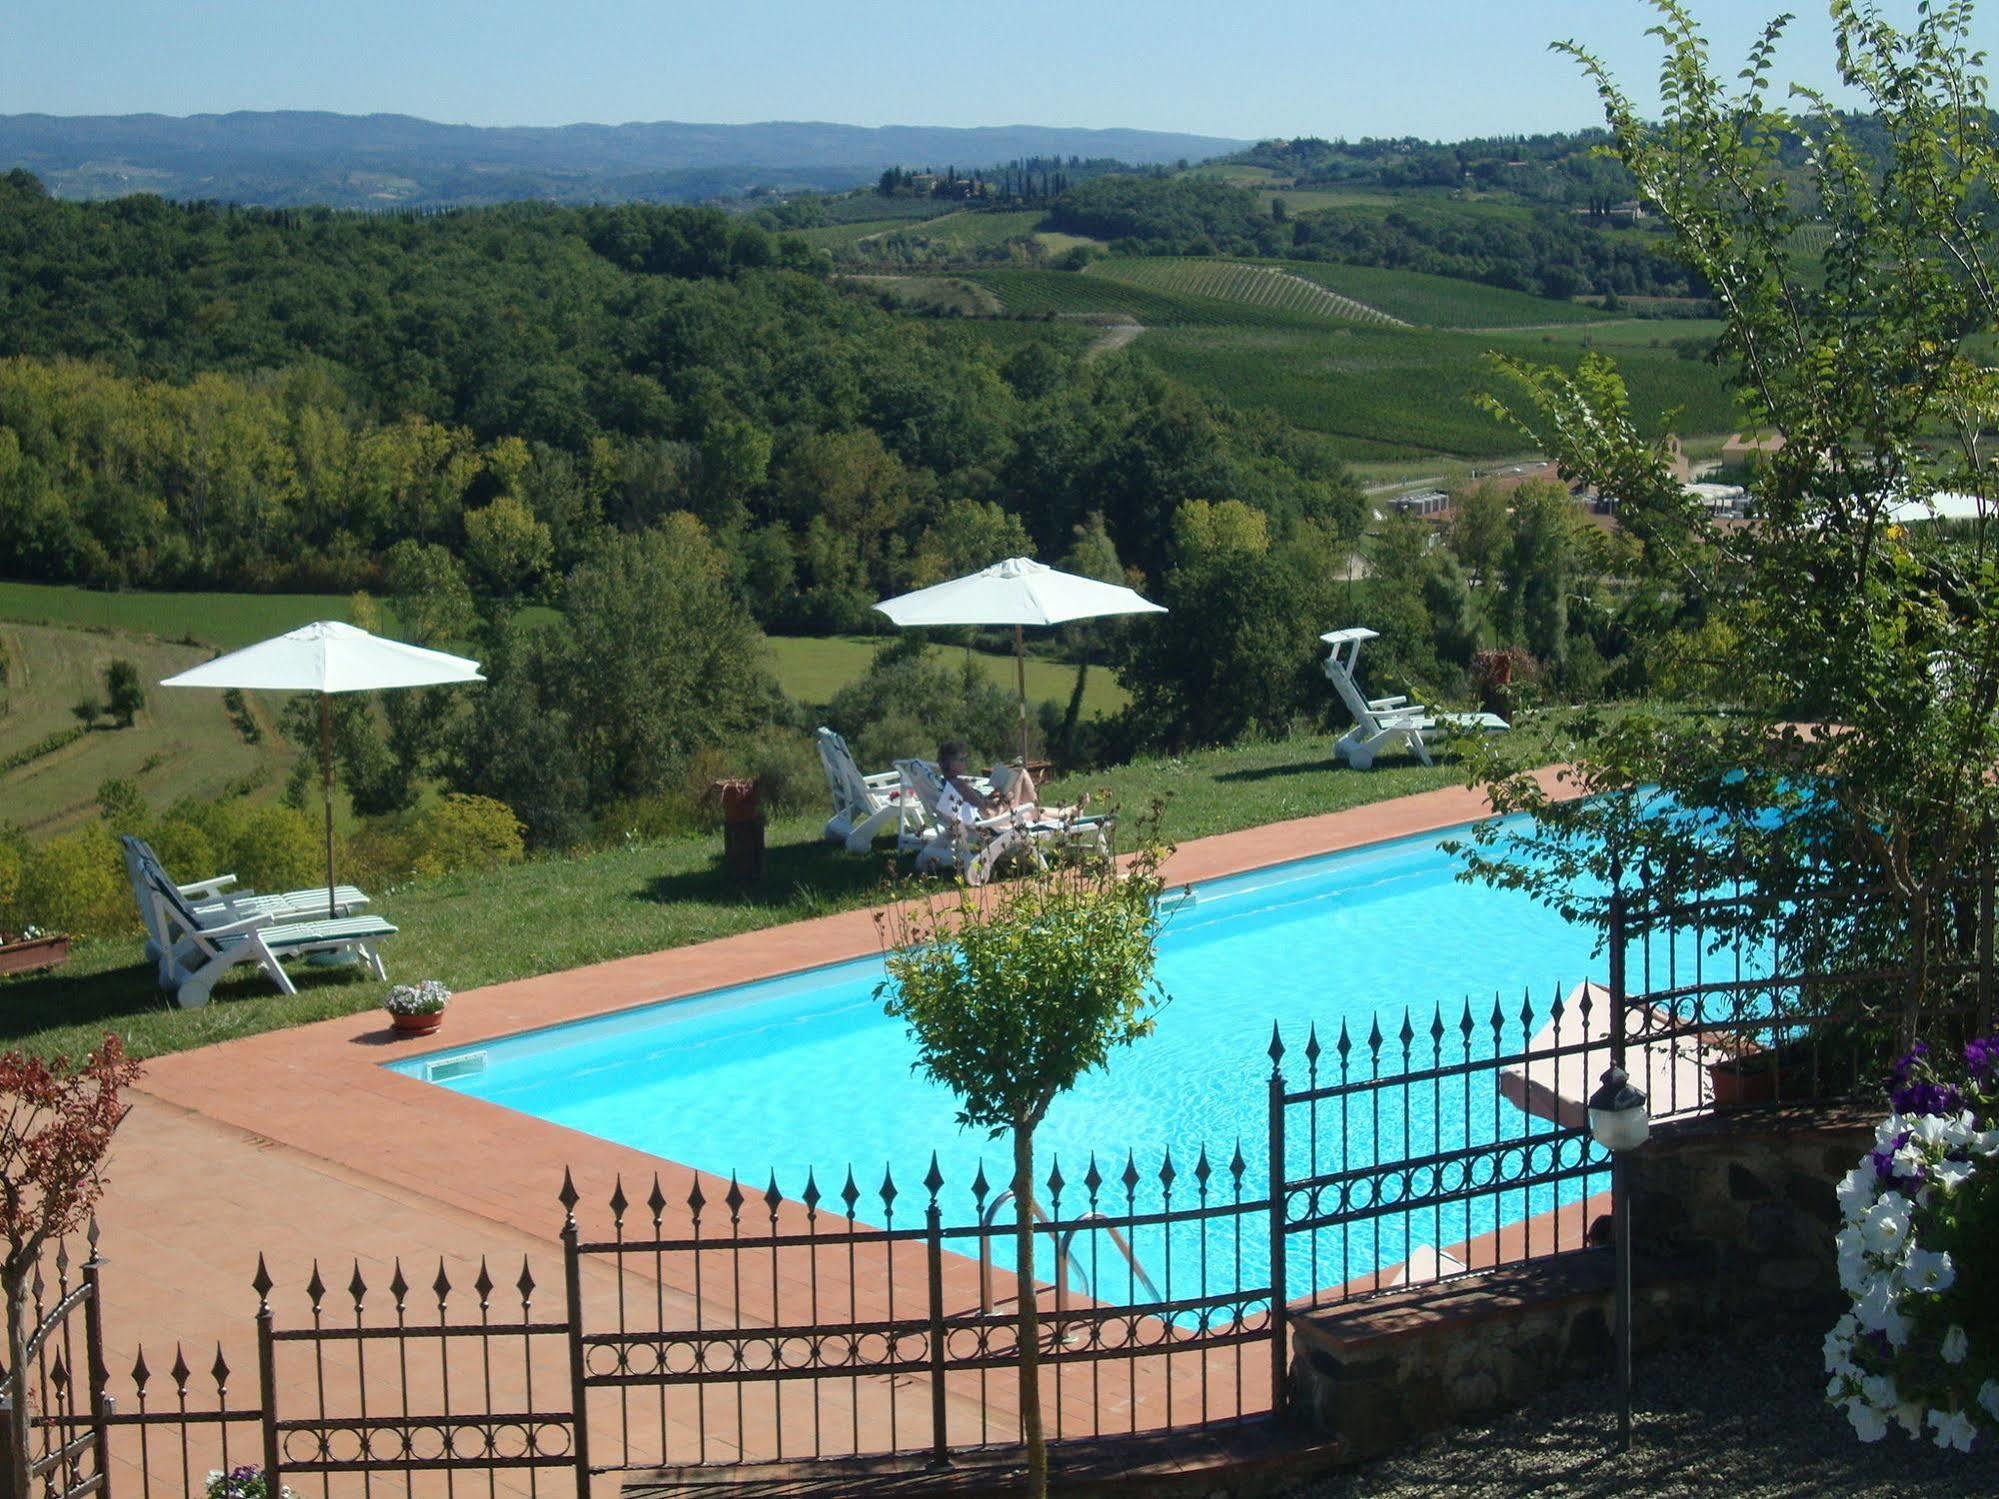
(806, 1071)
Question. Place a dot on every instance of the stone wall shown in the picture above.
(1746, 1198)
(1733, 1218)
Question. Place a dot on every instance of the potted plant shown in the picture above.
(1815, 1064)
(32, 949)
(417, 1009)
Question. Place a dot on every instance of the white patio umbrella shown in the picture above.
(1017, 592)
(328, 657)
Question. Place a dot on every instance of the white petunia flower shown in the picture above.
(1909, 1163)
(1880, 1310)
(1929, 1270)
(1886, 1224)
(1960, 1130)
(1927, 1131)
(1857, 1190)
(1910, 1416)
(1954, 1429)
(1988, 1397)
(1868, 1423)
(1879, 1391)
(1948, 1176)
(1955, 1345)
(1886, 1131)
(1853, 1267)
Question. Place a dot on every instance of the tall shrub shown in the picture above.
(1011, 995)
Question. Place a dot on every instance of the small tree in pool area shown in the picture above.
(56, 1122)
(1012, 993)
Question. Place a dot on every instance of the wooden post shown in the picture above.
(326, 788)
(1020, 675)
(933, 1243)
(1280, 1368)
(572, 1287)
(98, 1378)
(267, 1381)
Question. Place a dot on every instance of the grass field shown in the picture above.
(224, 619)
(951, 294)
(181, 743)
(811, 670)
(1254, 334)
(1265, 288)
(973, 228)
(1439, 301)
(1104, 290)
(561, 913)
(1384, 393)
(184, 742)
(837, 237)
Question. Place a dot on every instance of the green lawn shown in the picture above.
(812, 669)
(1386, 393)
(181, 743)
(1438, 301)
(224, 619)
(555, 914)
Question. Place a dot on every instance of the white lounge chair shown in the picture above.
(865, 807)
(973, 852)
(203, 953)
(1387, 722)
(213, 903)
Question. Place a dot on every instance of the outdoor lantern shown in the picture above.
(1617, 1119)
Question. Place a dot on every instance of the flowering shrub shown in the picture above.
(1919, 1255)
(426, 998)
(246, 1482)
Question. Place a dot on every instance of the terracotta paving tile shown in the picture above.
(297, 1144)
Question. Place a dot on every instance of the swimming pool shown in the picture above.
(805, 1071)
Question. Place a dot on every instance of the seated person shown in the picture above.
(1013, 790)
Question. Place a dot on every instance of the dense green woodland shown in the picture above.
(273, 399)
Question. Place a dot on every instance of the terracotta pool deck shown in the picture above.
(298, 1144)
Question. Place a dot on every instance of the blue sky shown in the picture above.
(1437, 68)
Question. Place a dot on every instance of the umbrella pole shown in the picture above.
(326, 788)
(1020, 674)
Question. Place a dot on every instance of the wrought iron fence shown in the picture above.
(715, 1324)
(761, 1326)
(1437, 1149)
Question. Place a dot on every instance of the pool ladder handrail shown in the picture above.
(1065, 1256)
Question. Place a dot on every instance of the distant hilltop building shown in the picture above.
(1424, 502)
(1720, 501)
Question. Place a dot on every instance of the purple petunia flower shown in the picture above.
(1981, 1058)
(1884, 1158)
(1925, 1098)
(1908, 1064)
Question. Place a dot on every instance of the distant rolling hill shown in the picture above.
(379, 161)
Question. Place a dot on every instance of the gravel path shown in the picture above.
(1748, 1421)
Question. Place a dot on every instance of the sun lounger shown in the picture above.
(202, 953)
(213, 903)
(973, 851)
(1387, 722)
(865, 807)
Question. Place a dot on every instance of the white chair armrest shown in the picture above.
(882, 780)
(236, 928)
(207, 887)
(1379, 703)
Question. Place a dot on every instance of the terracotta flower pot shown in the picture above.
(417, 1025)
(1784, 1074)
(27, 954)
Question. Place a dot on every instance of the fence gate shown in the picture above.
(435, 1388)
(64, 1430)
